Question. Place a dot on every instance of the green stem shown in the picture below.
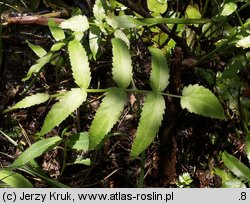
(57, 95)
(131, 90)
(25, 91)
(64, 159)
(242, 113)
(142, 173)
(92, 91)
(64, 151)
(170, 95)
(238, 16)
(204, 9)
(11, 140)
(96, 90)
(244, 6)
(137, 91)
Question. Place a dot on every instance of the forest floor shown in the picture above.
(199, 140)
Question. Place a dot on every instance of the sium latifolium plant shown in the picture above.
(69, 36)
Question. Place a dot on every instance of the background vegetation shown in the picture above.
(124, 93)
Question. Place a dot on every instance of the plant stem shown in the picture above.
(96, 90)
(11, 140)
(30, 85)
(131, 90)
(57, 95)
(238, 16)
(64, 150)
(170, 95)
(142, 173)
(204, 9)
(64, 158)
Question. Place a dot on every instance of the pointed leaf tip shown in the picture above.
(38, 66)
(236, 166)
(107, 115)
(79, 64)
(31, 101)
(159, 77)
(40, 52)
(122, 63)
(55, 30)
(62, 109)
(98, 10)
(150, 122)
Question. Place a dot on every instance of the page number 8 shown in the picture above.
(243, 196)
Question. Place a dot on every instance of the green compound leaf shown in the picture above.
(62, 109)
(31, 101)
(159, 77)
(79, 141)
(39, 64)
(14, 180)
(38, 50)
(150, 122)
(228, 9)
(199, 100)
(122, 63)
(55, 30)
(107, 115)
(236, 166)
(76, 23)
(79, 64)
(36, 150)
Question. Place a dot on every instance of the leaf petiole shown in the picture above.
(132, 90)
